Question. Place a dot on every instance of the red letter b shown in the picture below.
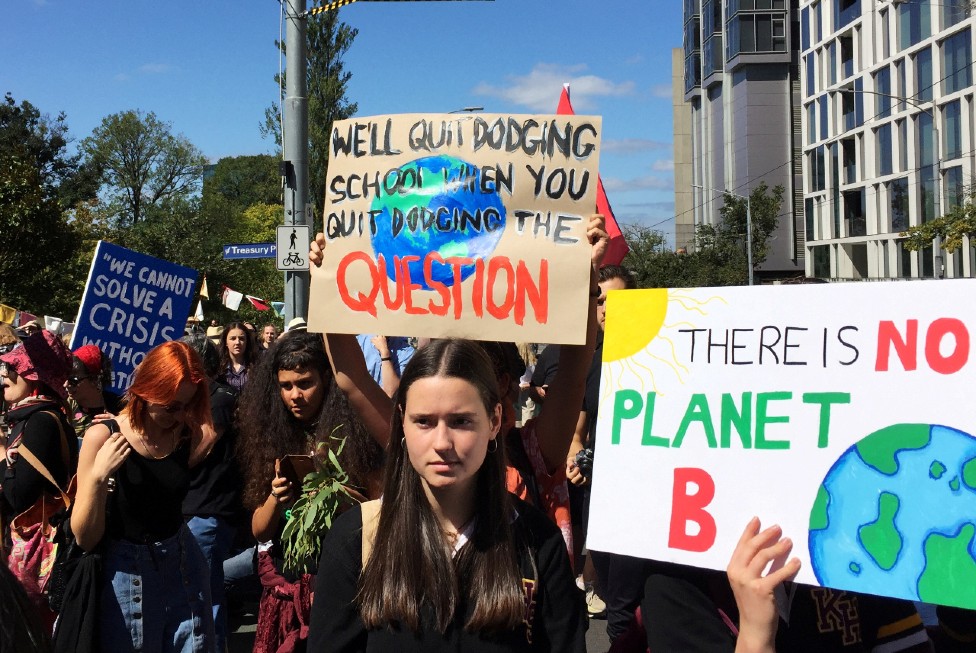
(690, 508)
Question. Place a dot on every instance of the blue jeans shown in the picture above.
(155, 598)
(215, 535)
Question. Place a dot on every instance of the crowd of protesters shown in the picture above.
(469, 465)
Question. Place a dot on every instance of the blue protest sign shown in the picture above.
(250, 250)
(132, 303)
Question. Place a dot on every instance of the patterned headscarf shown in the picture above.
(42, 357)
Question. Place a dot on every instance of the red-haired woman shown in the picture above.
(133, 474)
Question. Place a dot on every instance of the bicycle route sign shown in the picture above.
(293, 242)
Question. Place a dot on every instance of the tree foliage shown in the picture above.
(719, 258)
(142, 163)
(39, 185)
(327, 41)
(951, 227)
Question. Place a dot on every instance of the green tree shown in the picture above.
(719, 258)
(951, 227)
(142, 163)
(327, 41)
(730, 232)
(39, 185)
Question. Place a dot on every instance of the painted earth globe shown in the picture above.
(896, 516)
(450, 209)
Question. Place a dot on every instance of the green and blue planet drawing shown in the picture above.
(448, 187)
(896, 516)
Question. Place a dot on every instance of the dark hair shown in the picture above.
(201, 344)
(268, 430)
(250, 346)
(410, 567)
(608, 272)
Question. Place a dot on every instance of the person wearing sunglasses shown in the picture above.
(32, 377)
(88, 401)
(134, 473)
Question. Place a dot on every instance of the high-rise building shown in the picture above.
(684, 200)
(888, 133)
(741, 78)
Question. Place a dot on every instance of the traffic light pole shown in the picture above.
(294, 141)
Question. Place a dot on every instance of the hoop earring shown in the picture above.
(403, 443)
(493, 441)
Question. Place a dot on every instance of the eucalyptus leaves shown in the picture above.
(324, 495)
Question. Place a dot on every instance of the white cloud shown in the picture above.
(539, 90)
(634, 60)
(648, 182)
(121, 77)
(663, 165)
(155, 68)
(632, 145)
(662, 91)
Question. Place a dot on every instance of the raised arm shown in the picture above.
(754, 592)
(557, 418)
(101, 456)
(365, 396)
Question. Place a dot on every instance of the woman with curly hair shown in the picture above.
(292, 406)
(238, 353)
(133, 475)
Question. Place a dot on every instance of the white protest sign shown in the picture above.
(841, 412)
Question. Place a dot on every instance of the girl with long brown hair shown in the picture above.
(455, 561)
(133, 474)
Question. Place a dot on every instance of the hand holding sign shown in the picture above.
(755, 592)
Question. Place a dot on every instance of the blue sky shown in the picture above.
(206, 67)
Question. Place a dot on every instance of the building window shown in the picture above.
(809, 217)
(832, 62)
(849, 156)
(954, 11)
(852, 105)
(817, 23)
(885, 35)
(923, 75)
(854, 221)
(811, 123)
(811, 70)
(902, 91)
(823, 116)
(914, 22)
(954, 189)
(882, 86)
(957, 62)
(756, 26)
(821, 261)
(846, 56)
(927, 187)
(846, 11)
(884, 149)
(713, 55)
(898, 196)
(904, 260)
(805, 29)
(692, 72)
(902, 127)
(925, 140)
(952, 130)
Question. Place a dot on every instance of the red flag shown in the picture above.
(259, 304)
(617, 248)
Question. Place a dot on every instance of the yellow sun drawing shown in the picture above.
(638, 339)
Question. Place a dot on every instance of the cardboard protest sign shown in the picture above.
(132, 303)
(458, 225)
(840, 412)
